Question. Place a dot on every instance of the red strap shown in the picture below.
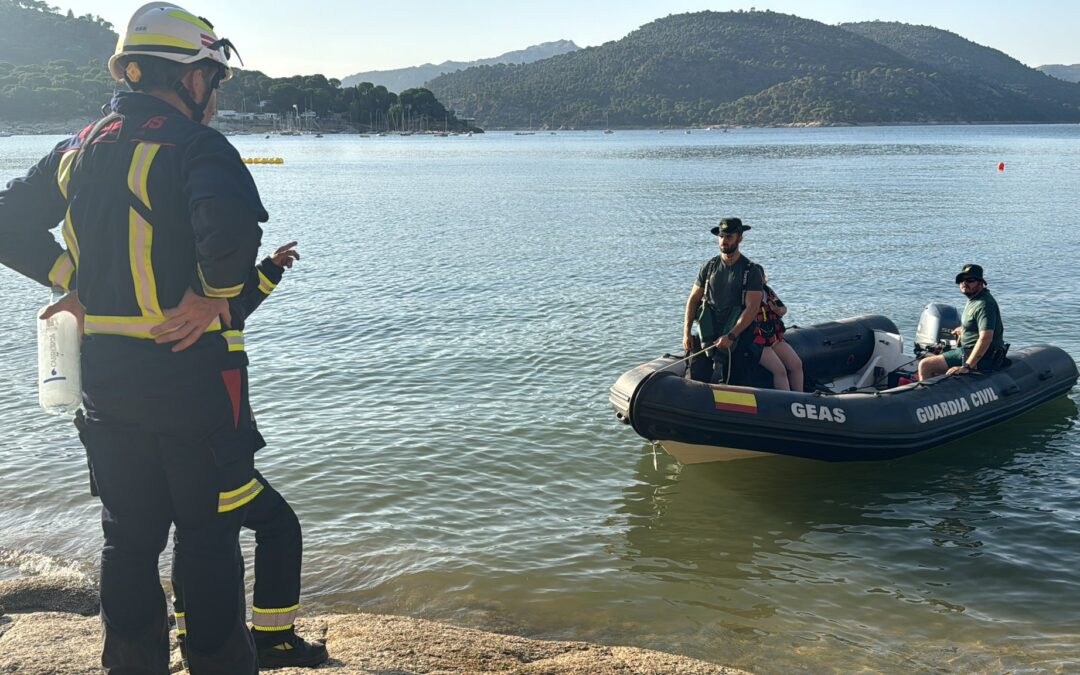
(233, 382)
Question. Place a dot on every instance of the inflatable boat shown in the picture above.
(865, 405)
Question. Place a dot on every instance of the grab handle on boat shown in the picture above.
(1046, 374)
(852, 338)
(1011, 389)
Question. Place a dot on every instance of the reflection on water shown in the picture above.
(925, 562)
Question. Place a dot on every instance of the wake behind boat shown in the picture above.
(864, 406)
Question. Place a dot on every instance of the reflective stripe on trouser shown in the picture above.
(165, 460)
(234, 499)
(278, 554)
(273, 620)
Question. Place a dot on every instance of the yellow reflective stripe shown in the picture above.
(271, 629)
(140, 243)
(153, 39)
(69, 237)
(181, 624)
(194, 20)
(273, 619)
(131, 326)
(265, 285)
(235, 340)
(213, 292)
(283, 610)
(234, 499)
(63, 174)
(140, 170)
(62, 270)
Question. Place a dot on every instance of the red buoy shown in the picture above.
(1001, 166)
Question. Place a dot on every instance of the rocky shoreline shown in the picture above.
(49, 625)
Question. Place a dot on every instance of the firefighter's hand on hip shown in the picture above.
(188, 321)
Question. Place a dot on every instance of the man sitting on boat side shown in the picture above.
(981, 333)
(725, 299)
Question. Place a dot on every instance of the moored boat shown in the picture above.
(864, 406)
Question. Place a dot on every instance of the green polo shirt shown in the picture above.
(723, 299)
(982, 313)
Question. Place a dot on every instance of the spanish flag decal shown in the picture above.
(735, 401)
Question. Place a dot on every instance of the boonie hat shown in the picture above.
(971, 272)
(729, 226)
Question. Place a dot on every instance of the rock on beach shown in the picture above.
(48, 625)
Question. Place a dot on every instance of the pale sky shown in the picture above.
(339, 37)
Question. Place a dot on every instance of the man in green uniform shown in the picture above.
(981, 333)
(724, 300)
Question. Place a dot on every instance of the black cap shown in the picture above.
(729, 226)
(971, 272)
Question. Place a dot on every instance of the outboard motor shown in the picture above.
(935, 332)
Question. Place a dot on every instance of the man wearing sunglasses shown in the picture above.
(981, 333)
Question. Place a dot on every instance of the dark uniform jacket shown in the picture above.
(156, 204)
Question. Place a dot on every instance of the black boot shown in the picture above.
(288, 650)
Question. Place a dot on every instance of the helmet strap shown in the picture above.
(198, 110)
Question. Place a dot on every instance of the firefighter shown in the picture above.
(161, 222)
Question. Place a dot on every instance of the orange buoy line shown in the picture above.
(263, 160)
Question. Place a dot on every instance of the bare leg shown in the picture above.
(932, 366)
(792, 363)
(771, 362)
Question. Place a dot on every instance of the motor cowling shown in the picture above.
(935, 330)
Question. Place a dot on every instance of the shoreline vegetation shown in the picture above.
(73, 126)
(49, 624)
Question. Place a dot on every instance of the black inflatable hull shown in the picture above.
(698, 422)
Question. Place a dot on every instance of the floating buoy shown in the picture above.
(263, 160)
(1001, 166)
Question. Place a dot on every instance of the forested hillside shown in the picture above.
(759, 68)
(950, 53)
(52, 67)
(33, 32)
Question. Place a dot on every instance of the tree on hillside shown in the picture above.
(36, 4)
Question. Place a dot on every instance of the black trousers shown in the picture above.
(278, 554)
(169, 441)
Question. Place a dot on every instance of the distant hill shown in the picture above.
(762, 68)
(951, 53)
(1062, 72)
(32, 33)
(407, 78)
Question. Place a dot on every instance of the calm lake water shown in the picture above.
(432, 379)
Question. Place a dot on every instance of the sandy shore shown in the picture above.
(49, 625)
